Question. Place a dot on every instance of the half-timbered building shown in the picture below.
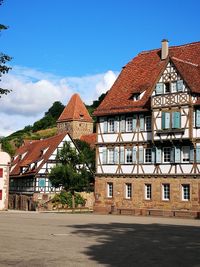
(30, 168)
(148, 135)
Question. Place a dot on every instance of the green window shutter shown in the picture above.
(165, 120)
(153, 155)
(176, 120)
(41, 182)
(198, 154)
(116, 155)
(172, 156)
(141, 155)
(177, 155)
(158, 154)
(191, 154)
(141, 122)
(122, 155)
(134, 155)
(104, 159)
(134, 122)
(122, 124)
(198, 118)
(180, 85)
(159, 88)
(105, 126)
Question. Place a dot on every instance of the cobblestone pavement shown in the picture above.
(58, 239)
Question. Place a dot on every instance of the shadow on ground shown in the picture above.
(141, 245)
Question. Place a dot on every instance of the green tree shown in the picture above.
(55, 110)
(3, 60)
(71, 173)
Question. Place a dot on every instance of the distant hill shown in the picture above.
(41, 129)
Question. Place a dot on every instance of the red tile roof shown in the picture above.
(32, 152)
(75, 110)
(90, 139)
(142, 73)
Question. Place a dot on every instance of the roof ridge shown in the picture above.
(170, 47)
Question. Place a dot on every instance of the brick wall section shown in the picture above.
(75, 128)
(138, 202)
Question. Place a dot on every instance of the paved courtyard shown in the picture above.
(57, 239)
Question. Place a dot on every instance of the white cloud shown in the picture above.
(33, 92)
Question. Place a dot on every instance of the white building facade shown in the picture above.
(4, 180)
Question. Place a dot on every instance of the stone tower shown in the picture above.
(75, 119)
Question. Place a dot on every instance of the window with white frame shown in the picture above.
(148, 155)
(111, 125)
(128, 190)
(185, 192)
(110, 190)
(111, 154)
(148, 123)
(129, 124)
(185, 154)
(165, 191)
(166, 154)
(129, 155)
(147, 191)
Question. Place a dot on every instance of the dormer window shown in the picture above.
(136, 97)
(81, 116)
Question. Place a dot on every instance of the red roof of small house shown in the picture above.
(142, 73)
(75, 110)
(90, 139)
(37, 151)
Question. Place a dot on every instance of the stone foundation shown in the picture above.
(137, 205)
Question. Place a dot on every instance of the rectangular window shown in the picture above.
(165, 191)
(148, 123)
(185, 192)
(129, 155)
(1, 173)
(41, 182)
(129, 124)
(110, 156)
(110, 190)
(111, 125)
(148, 155)
(166, 154)
(171, 120)
(185, 154)
(128, 188)
(167, 87)
(0, 194)
(147, 191)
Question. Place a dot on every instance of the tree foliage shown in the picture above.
(71, 173)
(3, 60)
(50, 117)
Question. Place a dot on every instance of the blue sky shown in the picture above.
(66, 46)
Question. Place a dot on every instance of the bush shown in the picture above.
(65, 198)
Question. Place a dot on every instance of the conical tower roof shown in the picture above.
(75, 110)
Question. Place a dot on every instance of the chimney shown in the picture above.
(165, 49)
